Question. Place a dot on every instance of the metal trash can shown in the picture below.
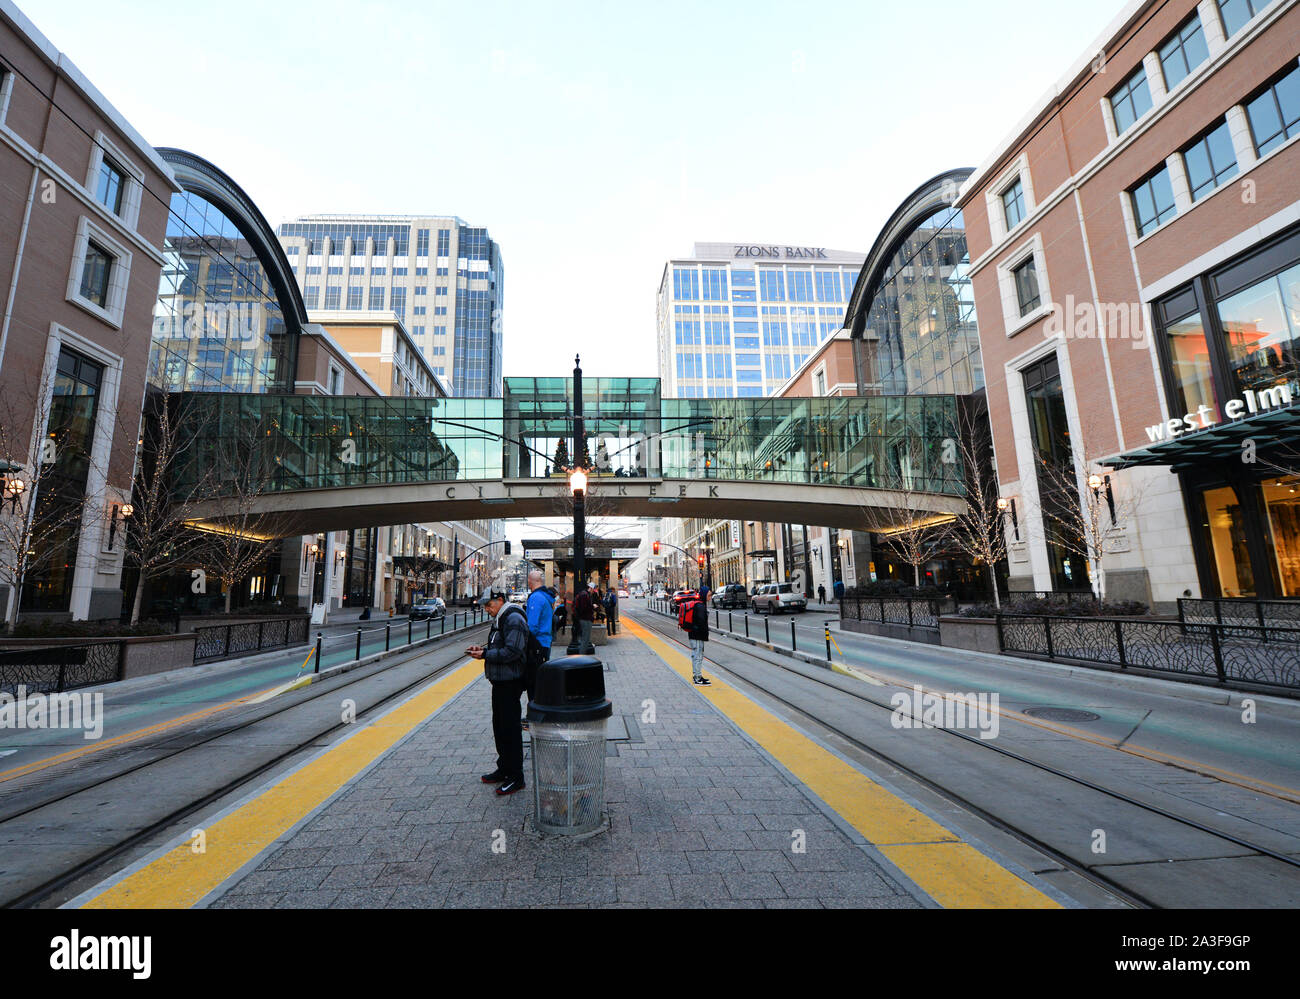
(566, 726)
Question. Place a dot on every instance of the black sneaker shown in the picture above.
(495, 777)
(511, 786)
(701, 681)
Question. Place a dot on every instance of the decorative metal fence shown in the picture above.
(1228, 654)
(55, 668)
(912, 612)
(222, 641)
(1240, 611)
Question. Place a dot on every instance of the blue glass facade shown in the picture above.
(223, 322)
(732, 326)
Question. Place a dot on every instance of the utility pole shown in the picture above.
(455, 566)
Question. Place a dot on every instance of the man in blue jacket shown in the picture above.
(540, 608)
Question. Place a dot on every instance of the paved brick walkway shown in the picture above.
(699, 818)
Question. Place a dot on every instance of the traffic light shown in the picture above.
(656, 547)
(507, 547)
(700, 559)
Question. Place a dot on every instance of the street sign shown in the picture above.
(625, 553)
(735, 534)
(539, 553)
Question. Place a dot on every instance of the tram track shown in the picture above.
(299, 710)
(1281, 864)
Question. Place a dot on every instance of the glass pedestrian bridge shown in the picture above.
(333, 459)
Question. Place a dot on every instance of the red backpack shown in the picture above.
(684, 612)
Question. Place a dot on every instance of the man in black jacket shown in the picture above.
(505, 661)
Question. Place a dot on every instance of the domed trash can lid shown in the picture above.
(570, 689)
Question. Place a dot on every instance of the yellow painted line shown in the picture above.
(951, 872)
(284, 688)
(180, 878)
(857, 674)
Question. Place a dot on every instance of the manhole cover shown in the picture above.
(1062, 714)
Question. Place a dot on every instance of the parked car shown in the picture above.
(428, 607)
(623, 595)
(776, 598)
(731, 595)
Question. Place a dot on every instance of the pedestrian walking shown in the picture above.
(696, 624)
(611, 609)
(821, 593)
(505, 664)
(583, 615)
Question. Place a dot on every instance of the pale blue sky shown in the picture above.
(594, 141)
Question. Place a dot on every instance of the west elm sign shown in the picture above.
(791, 252)
(1254, 402)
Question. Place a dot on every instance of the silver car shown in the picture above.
(775, 598)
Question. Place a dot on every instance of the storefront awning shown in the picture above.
(1220, 442)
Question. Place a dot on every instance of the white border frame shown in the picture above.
(91, 560)
(133, 179)
(119, 276)
(1012, 320)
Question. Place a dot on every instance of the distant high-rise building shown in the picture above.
(444, 279)
(738, 319)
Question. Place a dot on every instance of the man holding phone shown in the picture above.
(505, 661)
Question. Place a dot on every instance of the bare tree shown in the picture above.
(159, 539)
(45, 461)
(908, 526)
(236, 542)
(1088, 509)
(979, 532)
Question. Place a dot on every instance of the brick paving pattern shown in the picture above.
(698, 818)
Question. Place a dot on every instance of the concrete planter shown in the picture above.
(979, 634)
(886, 630)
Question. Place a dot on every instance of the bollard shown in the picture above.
(409, 625)
(791, 636)
(318, 644)
(731, 624)
(358, 641)
(828, 641)
(746, 625)
(388, 635)
(767, 631)
(428, 627)
(443, 624)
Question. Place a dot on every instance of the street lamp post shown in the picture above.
(578, 483)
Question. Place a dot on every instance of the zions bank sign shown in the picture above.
(786, 252)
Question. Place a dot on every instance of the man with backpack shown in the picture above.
(506, 663)
(539, 609)
(693, 618)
